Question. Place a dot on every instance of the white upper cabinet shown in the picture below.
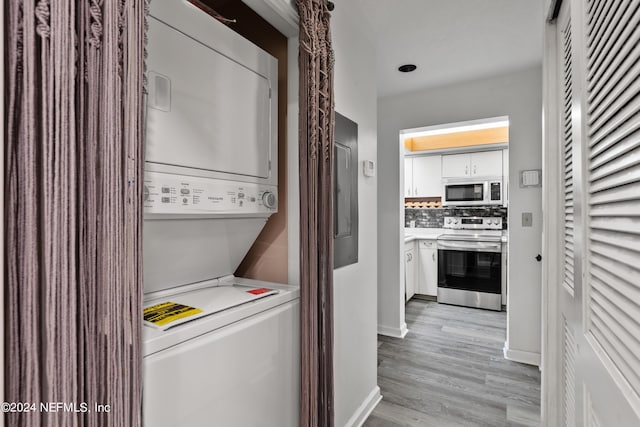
(456, 165)
(423, 176)
(468, 165)
(427, 176)
(486, 163)
(408, 177)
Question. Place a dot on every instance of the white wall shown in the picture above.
(517, 95)
(355, 296)
(293, 176)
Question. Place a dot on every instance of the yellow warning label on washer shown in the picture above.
(161, 314)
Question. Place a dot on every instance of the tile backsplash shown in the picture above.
(434, 217)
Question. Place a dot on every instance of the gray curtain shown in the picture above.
(316, 123)
(74, 156)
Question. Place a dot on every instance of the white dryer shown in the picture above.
(228, 353)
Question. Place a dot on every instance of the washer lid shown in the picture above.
(156, 340)
(173, 310)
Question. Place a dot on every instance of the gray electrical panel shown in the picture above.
(345, 192)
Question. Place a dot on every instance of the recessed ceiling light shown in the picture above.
(406, 68)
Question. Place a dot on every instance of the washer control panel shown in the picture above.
(178, 194)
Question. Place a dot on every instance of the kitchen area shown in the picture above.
(450, 363)
(460, 232)
(455, 212)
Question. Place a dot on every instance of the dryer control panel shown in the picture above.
(179, 194)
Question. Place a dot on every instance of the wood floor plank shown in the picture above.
(520, 416)
(391, 415)
(449, 371)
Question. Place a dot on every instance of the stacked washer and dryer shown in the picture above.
(218, 350)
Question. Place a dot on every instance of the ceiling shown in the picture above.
(452, 40)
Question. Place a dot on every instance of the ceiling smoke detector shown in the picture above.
(406, 68)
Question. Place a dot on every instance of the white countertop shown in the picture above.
(411, 234)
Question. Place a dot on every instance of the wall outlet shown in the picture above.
(527, 219)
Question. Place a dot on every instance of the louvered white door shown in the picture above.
(570, 318)
(598, 116)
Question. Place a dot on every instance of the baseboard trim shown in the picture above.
(527, 357)
(393, 332)
(365, 409)
(404, 330)
(425, 297)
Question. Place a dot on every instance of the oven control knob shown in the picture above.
(449, 221)
(269, 199)
(455, 221)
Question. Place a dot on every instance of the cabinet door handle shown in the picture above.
(466, 170)
(474, 170)
(433, 256)
(415, 193)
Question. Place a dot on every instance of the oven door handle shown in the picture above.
(470, 246)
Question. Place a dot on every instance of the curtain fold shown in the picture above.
(73, 210)
(316, 122)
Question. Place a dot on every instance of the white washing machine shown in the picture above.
(218, 350)
(235, 368)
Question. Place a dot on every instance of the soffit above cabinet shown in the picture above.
(484, 137)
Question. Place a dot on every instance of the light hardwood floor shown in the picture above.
(450, 371)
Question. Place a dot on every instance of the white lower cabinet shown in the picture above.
(410, 262)
(428, 268)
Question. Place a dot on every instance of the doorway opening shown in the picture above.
(454, 200)
(454, 181)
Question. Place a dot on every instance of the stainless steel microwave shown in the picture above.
(473, 193)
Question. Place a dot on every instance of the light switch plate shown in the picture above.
(369, 168)
(527, 219)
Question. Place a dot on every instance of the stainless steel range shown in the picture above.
(471, 262)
